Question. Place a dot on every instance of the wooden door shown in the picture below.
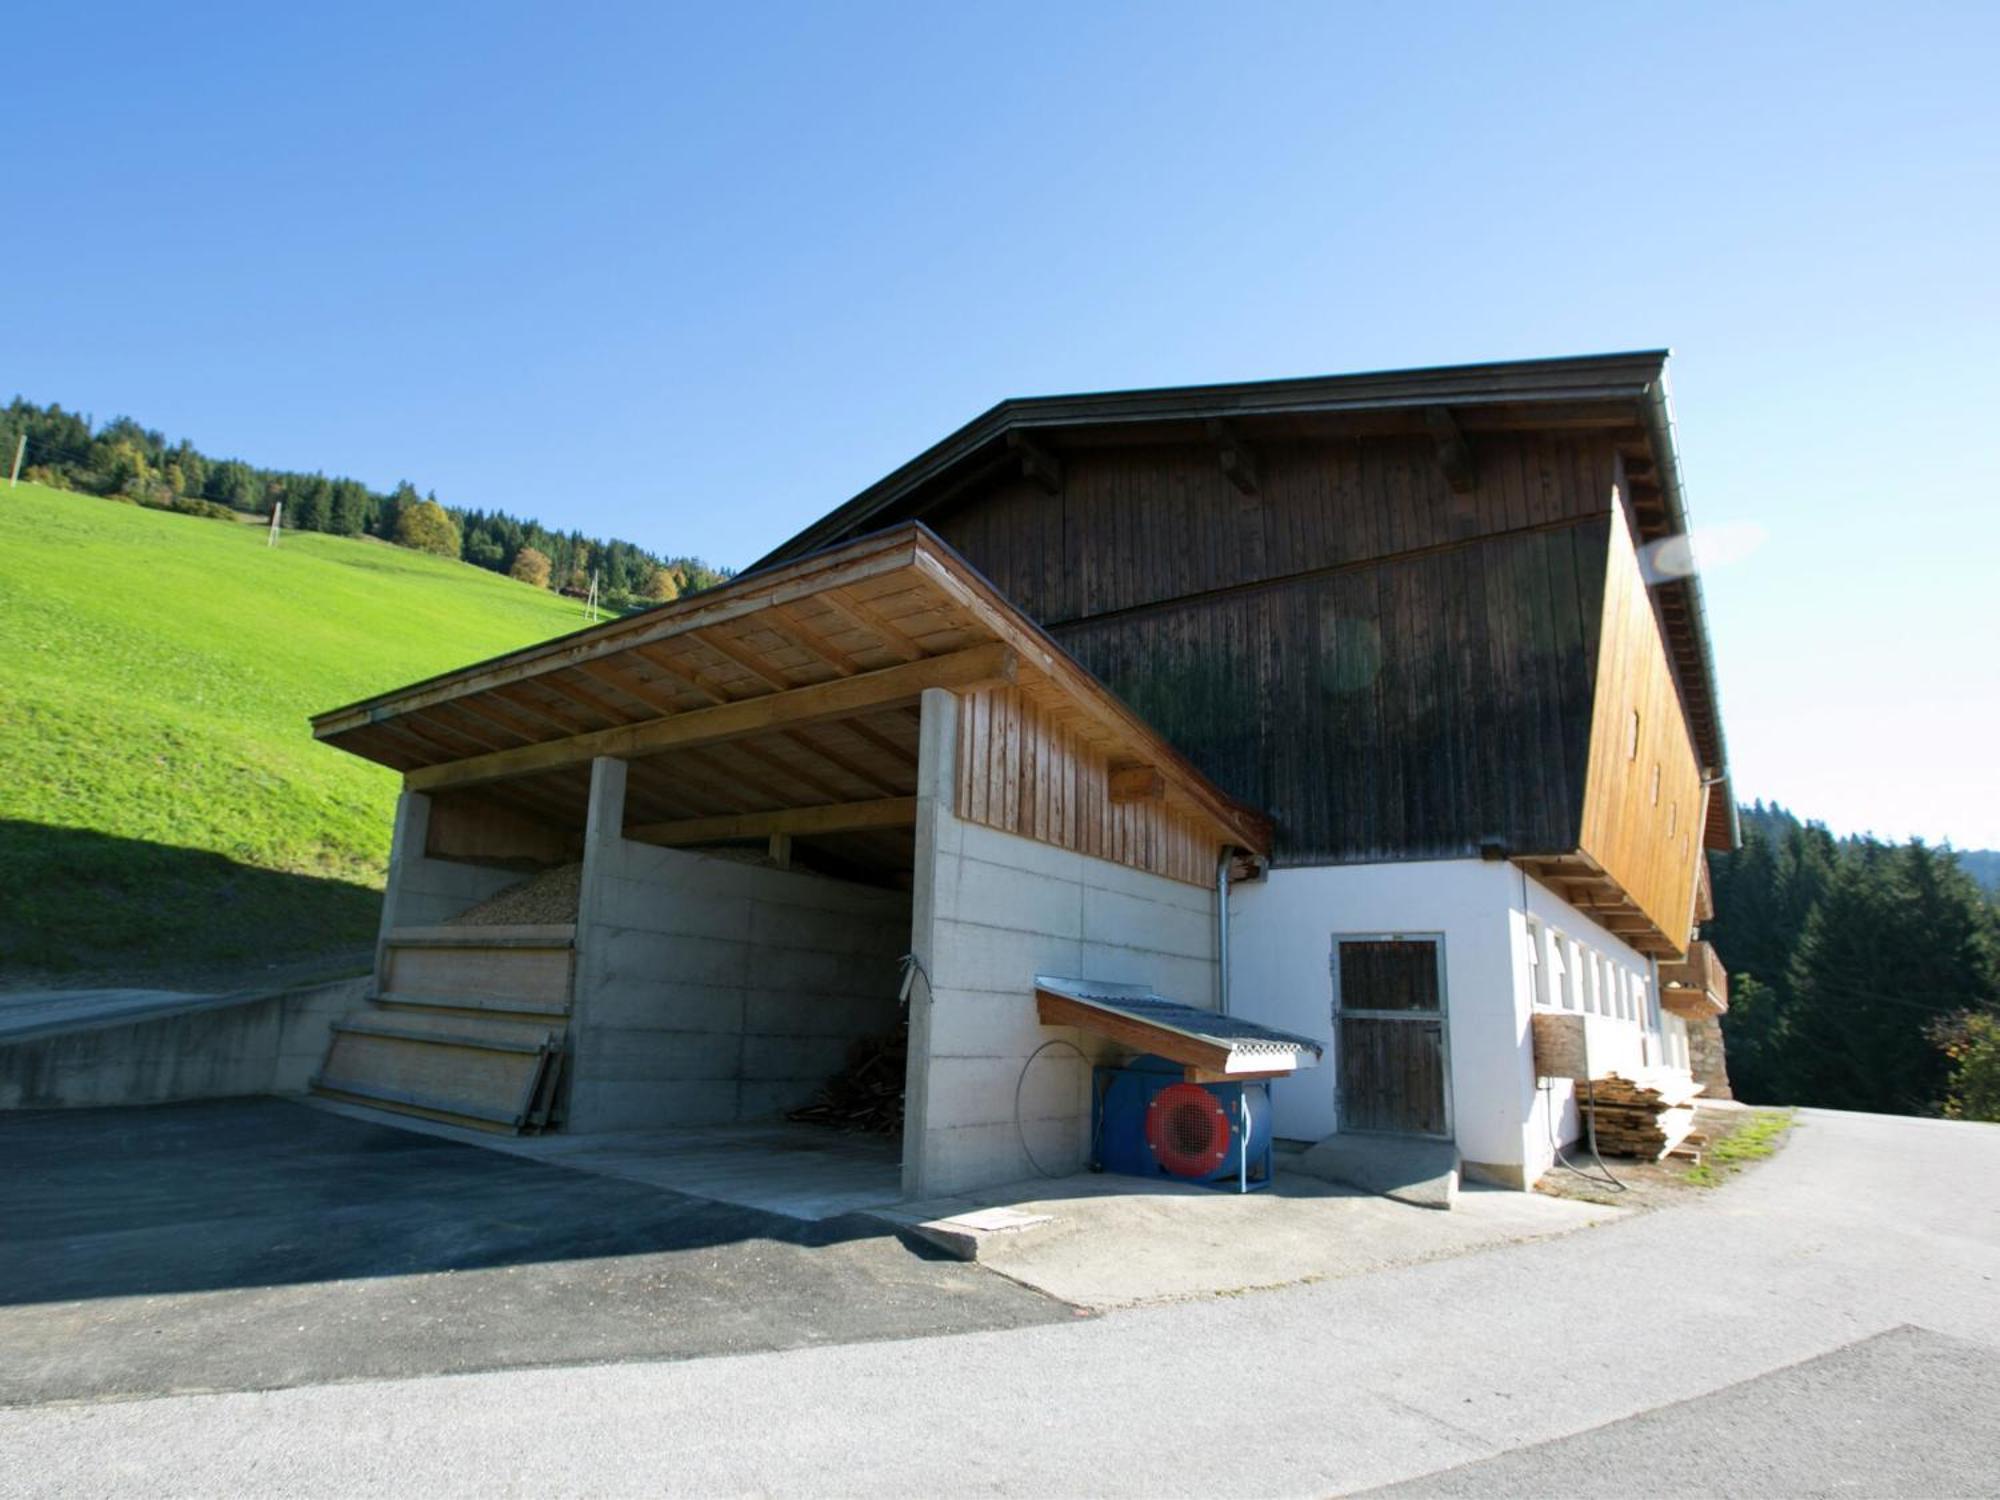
(1389, 1021)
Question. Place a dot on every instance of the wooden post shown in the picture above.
(277, 510)
(20, 451)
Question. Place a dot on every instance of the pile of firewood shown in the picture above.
(1647, 1117)
(866, 1095)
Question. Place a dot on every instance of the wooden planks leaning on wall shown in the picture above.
(1022, 770)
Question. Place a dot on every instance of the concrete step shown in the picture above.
(1407, 1168)
(530, 977)
(499, 1007)
(459, 1029)
(549, 935)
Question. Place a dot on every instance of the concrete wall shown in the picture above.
(709, 990)
(1281, 941)
(423, 892)
(218, 1049)
(992, 911)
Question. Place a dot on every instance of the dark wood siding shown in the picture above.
(1136, 525)
(1391, 669)
(1403, 710)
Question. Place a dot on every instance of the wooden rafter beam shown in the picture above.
(787, 623)
(977, 666)
(786, 822)
(1454, 454)
(1038, 464)
(870, 618)
(1138, 784)
(1237, 457)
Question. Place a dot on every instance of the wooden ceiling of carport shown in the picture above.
(785, 701)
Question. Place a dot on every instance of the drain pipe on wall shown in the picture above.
(1222, 933)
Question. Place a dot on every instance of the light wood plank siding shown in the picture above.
(1023, 770)
(1644, 805)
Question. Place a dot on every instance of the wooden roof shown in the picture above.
(1624, 394)
(783, 701)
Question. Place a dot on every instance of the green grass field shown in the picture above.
(162, 801)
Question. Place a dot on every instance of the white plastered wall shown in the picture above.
(992, 910)
(1281, 939)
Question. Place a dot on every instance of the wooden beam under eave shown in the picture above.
(1238, 458)
(990, 665)
(1138, 784)
(1037, 462)
(1454, 454)
(783, 822)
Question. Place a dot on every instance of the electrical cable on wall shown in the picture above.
(1555, 1145)
(1547, 1086)
(1019, 1128)
(912, 966)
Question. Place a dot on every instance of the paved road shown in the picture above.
(1829, 1325)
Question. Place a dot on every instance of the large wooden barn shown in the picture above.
(1375, 708)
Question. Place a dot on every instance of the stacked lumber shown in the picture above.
(468, 1024)
(867, 1095)
(1647, 1115)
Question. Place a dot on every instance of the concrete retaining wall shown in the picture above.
(710, 990)
(992, 911)
(212, 1048)
(424, 892)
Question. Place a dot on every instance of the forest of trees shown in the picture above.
(1863, 975)
(123, 459)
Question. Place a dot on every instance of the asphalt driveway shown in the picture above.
(254, 1244)
(1827, 1325)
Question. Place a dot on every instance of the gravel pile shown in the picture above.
(549, 897)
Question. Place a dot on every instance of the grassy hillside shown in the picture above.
(162, 802)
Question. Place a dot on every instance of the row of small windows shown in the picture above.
(1569, 975)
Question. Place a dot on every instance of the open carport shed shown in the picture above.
(775, 789)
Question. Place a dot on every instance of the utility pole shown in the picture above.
(590, 603)
(277, 510)
(20, 451)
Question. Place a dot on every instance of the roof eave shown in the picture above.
(1657, 410)
(1591, 377)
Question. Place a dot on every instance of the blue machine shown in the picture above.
(1148, 1121)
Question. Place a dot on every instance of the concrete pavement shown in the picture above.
(1103, 1242)
(1861, 1226)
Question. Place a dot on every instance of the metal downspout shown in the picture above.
(1222, 934)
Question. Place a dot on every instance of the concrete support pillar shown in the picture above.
(603, 827)
(406, 850)
(938, 843)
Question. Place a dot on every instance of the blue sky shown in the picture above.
(694, 275)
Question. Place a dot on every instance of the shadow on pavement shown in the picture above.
(254, 1243)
